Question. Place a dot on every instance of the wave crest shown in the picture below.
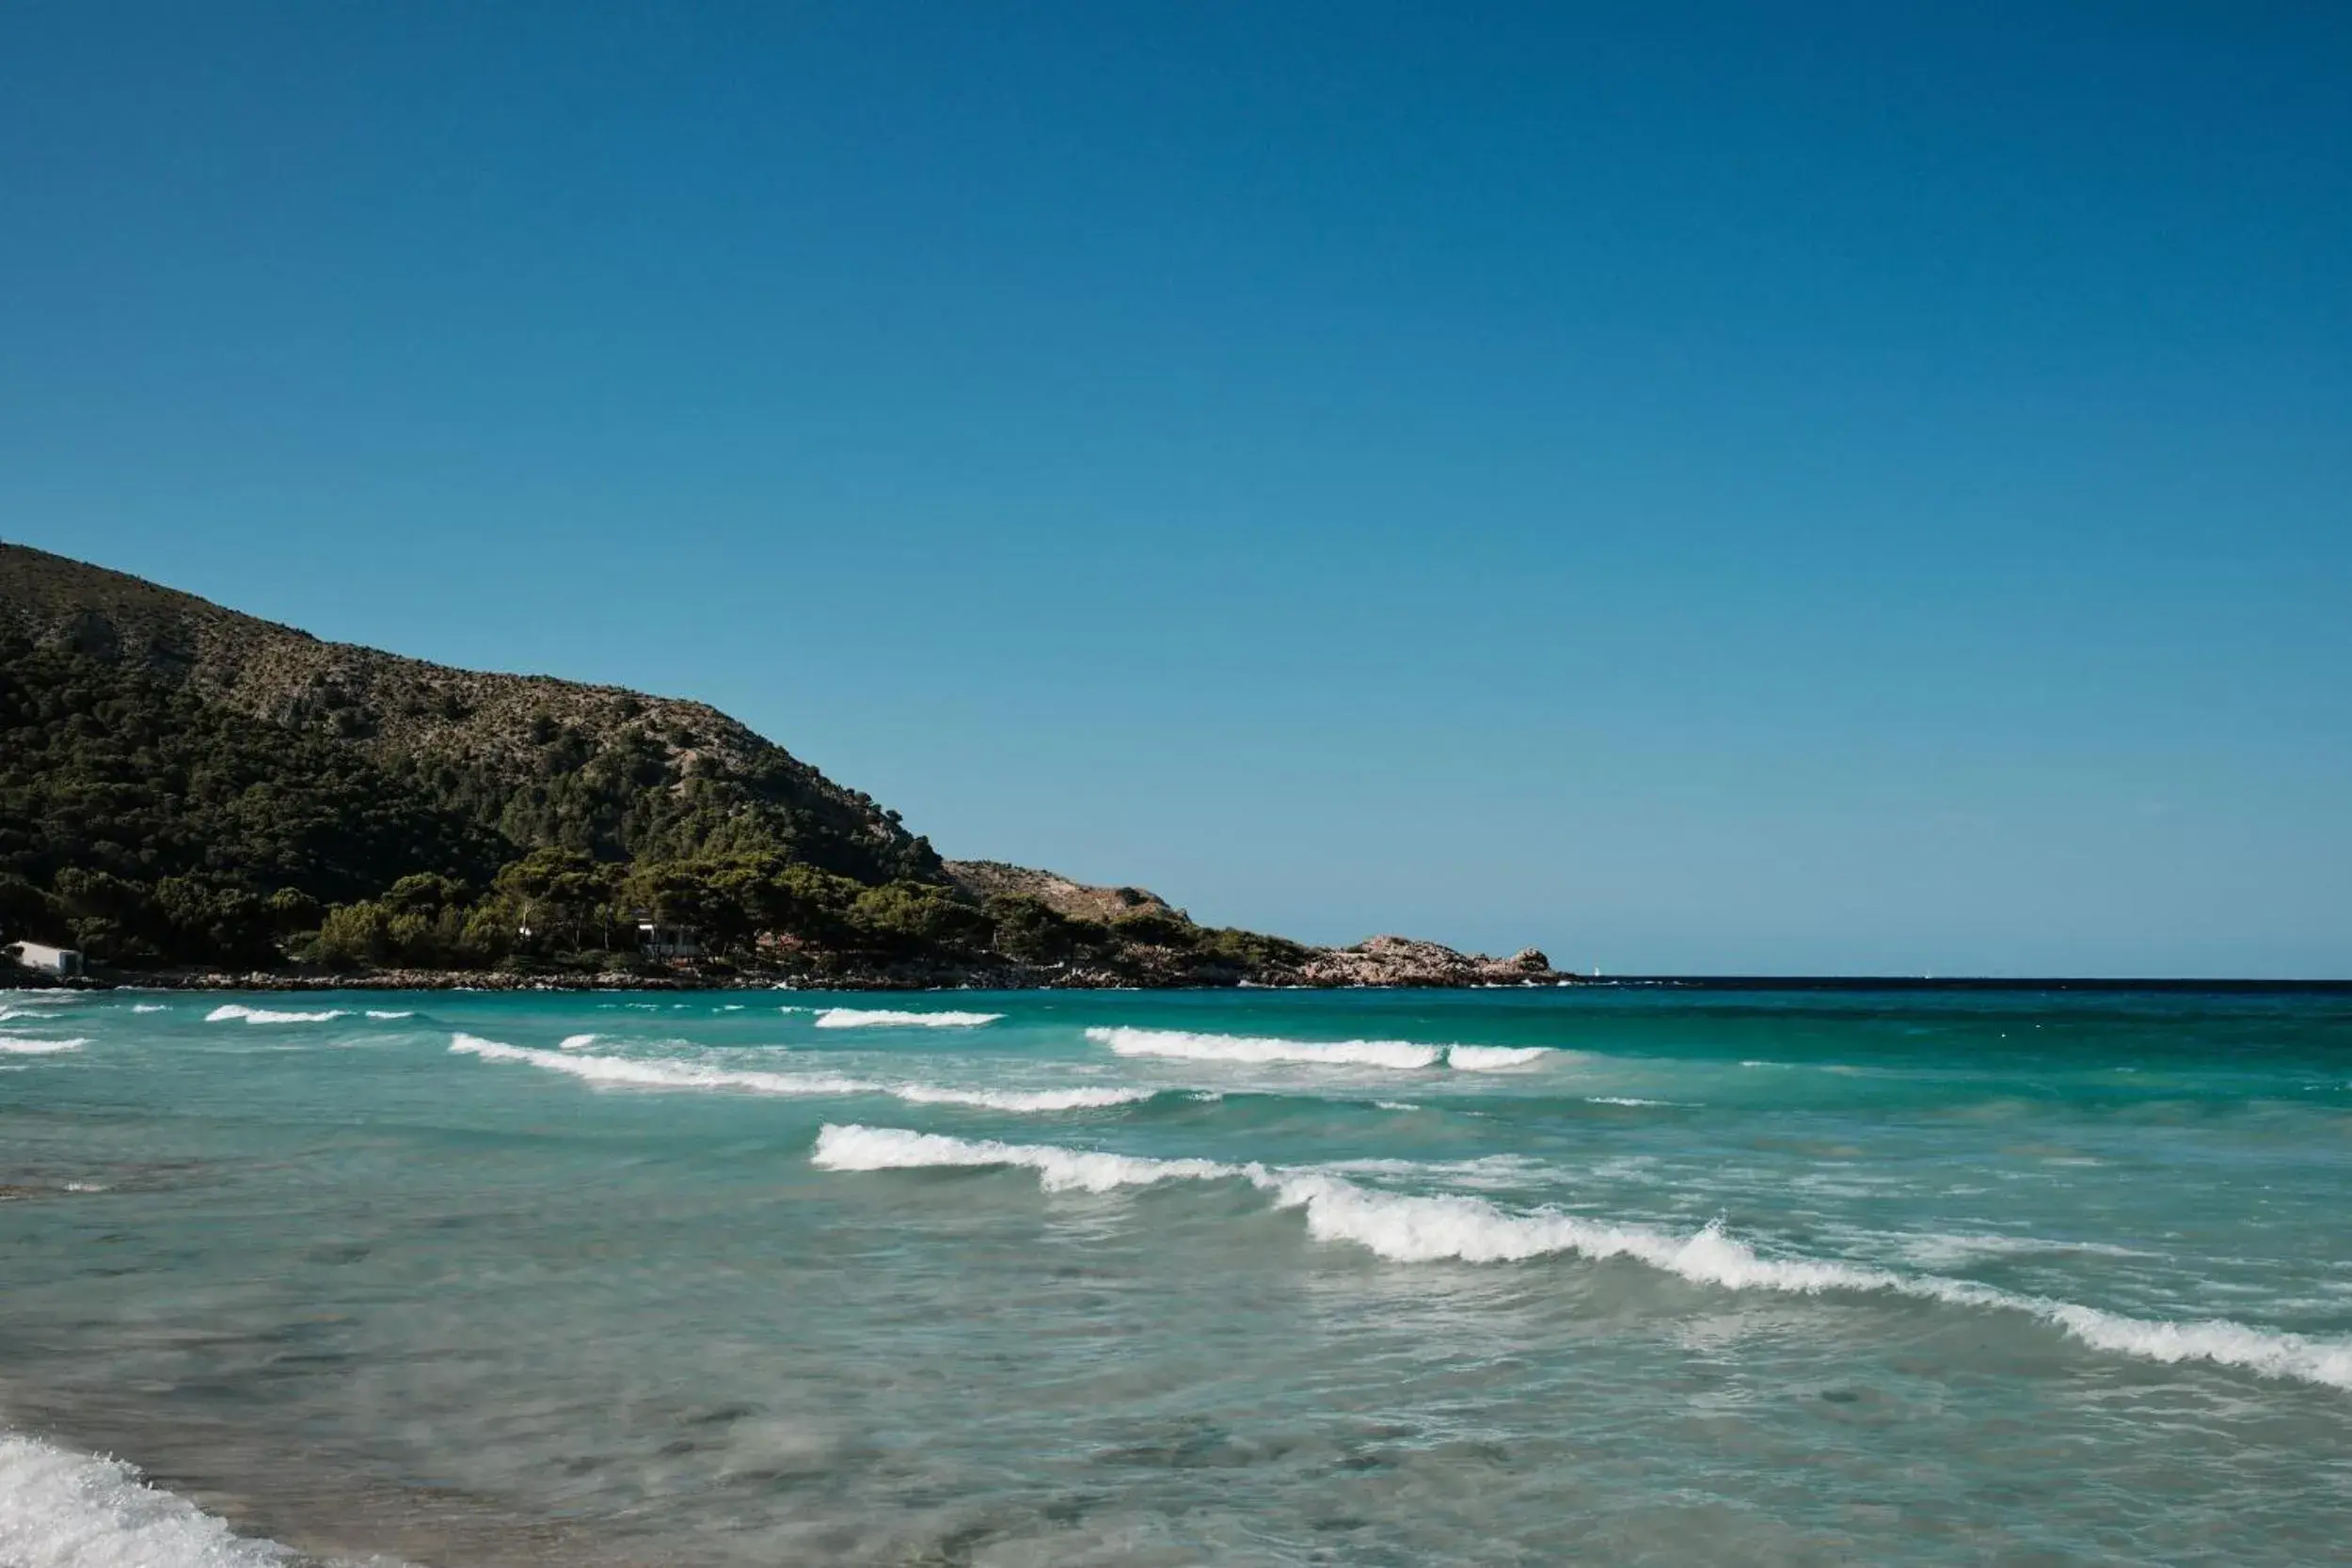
(638, 1073)
(1258, 1050)
(883, 1017)
(1494, 1058)
(229, 1011)
(64, 1510)
(1453, 1227)
(1266, 1050)
(25, 1045)
(867, 1148)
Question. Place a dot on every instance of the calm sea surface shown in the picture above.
(1503, 1277)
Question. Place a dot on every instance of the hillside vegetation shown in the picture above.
(184, 786)
(613, 773)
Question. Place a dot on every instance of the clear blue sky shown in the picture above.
(1801, 487)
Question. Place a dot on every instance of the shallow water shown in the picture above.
(1241, 1277)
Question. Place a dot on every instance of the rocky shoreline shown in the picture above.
(1384, 962)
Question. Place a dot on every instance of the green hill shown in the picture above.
(615, 774)
(184, 785)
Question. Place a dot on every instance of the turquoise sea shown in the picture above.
(1592, 1276)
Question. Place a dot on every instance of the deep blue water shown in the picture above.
(1251, 1277)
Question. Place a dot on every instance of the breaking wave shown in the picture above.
(227, 1011)
(373, 1012)
(879, 1018)
(25, 1045)
(1255, 1051)
(1427, 1228)
(1494, 1058)
(638, 1073)
(1258, 1050)
(64, 1510)
(863, 1148)
(576, 1042)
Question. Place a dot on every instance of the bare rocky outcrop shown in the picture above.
(1074, 901)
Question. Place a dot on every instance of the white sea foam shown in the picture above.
(1624, 1099)
(576, 1042)
(1941, 1250)
(653, 1074)
(883, 1017)
(64, 1510)
(25, 1045)
(373, 1012)
(1261, 1050)
(1450, 1227)
(227, 1011)
(1017, 1100)
(1255, 1051)
(149, 1008)
(857, 1148)
(1494, 1058)
(657, 1074)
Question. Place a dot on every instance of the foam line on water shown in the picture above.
(1943, 1248)
(653, 1074)
(1412, 1229)
(1256, 1051)
(1494, 1058)
(1263, 1051)
(231, 1011)
(59, 1509)
(25, 1045)
(883, 1018)
(869, 1149)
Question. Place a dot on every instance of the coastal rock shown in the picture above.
(533, 833)
(1392, 961)
(982, 880)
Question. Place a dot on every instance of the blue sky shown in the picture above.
(1731, 488)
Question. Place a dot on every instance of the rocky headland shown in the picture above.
(193, 796)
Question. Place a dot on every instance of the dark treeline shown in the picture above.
(149, 828)
(146, 826)
(756, 908)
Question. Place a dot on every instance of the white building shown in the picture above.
(46, 960)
